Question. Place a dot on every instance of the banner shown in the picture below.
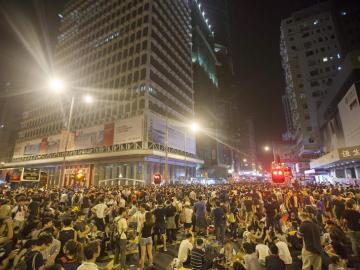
(129, 130)
(176, 134)
(31, 175)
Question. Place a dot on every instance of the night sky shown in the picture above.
(256, 33)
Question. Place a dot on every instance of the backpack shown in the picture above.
(24, 257)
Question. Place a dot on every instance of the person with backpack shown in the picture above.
(121, 227)
(32, 259)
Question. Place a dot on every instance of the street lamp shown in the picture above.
(88, 99)
(244, 160)
(58, 86)
(194, 127)
(268, 148)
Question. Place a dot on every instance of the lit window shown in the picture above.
(325, 59)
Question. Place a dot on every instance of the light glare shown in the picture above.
(56, 85)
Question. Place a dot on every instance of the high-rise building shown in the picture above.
(10, 116)
(290, 130)
(205, 85)
(135, 58)
(311, 57)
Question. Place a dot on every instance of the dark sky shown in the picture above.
(256, 33)
(256, 36)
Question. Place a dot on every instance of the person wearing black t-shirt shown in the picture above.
(160, 224)
(352, 218)
(273, 261)
(339, 207)
(312, 249)
(170, 222)
(146, 242)
(67, 233)
(271, 209)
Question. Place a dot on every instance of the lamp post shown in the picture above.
(194, 127)
(58, 86)
(268, 148)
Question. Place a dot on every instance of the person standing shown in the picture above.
(146, 243)
(160, 224)
(312, 249)
(170, 222)
(120, 245)
(219, 222)
(352, 220)
(200, 216)
(100, 211)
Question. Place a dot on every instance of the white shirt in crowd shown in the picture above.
(122, 227)
(122, 203)
(139, 219)
(188, 213)
(284, 252)
(100, 210)
(184, 250)
(19, 214)
(88, 266)
(263, 251)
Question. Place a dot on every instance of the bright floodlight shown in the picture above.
(56, 85)
(267, 148)
(195, 127)
(88, 99)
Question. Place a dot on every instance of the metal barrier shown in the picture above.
(121, 181)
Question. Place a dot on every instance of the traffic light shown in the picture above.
(278, 175)
(79, 175)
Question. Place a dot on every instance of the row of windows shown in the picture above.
(174, 90)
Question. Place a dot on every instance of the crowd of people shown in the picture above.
(252, 226)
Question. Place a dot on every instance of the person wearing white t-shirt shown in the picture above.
(188, 214)
(185, 248)
(120, 248)
(100, 210)
(262, 251)
(19, 212)
(284, 252)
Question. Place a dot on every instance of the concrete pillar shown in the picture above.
(135, 172)
(127, 174)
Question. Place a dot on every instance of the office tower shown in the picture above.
(134, 57)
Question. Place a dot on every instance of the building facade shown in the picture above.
(311, 56)
(135, 59)
(339, 118)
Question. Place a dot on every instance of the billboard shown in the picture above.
(176, 134)
(129, 130)
(122, 131)
(349, 111)
(30, 174)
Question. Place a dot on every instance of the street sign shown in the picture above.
(157, 178)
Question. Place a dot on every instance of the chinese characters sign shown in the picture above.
(349, 152)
